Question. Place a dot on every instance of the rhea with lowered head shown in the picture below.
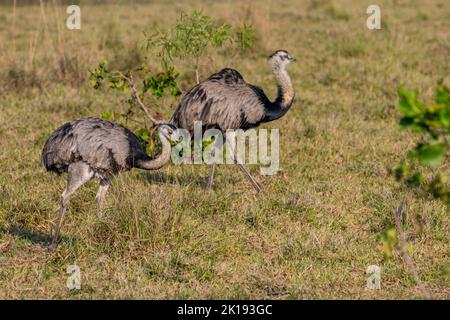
(226, 101)
(95, 148)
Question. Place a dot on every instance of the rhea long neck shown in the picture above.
(285, 95)
(159, 161)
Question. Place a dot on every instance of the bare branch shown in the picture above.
(402, 244)
(139, 100)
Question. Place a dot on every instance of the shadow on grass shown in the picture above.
(184, 180)
(40, 238)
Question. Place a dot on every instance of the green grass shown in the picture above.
(317, 226)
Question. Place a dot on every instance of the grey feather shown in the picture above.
(95, 148)
(226, 101)
(105, 146)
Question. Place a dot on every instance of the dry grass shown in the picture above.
(317, 227)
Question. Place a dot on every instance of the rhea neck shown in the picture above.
(285, 94)
(161, 160)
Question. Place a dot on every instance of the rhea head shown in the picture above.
(280, 59)
(166, 130)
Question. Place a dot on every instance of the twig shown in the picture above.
(139, 101)
(398, 215)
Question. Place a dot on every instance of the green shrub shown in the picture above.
(426, 167)
(189, 39)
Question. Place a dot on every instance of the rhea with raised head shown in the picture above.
(226, 101)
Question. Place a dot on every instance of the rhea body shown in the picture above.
(96, 148)
(226, 101)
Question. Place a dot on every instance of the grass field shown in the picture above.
(317, 226)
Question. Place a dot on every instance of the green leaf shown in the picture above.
(401, 171)
(444, 116)
(409, 105)
(415, 180)
(406, 122)
(143, 136)
(442, 94)
(103, 64)
(245, 36)
(389, 240)
(431, 154)
(106, 115)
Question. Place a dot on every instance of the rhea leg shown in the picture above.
(78, 174)
(211, 176)
(211, 171)
(250, 178)
(247, 173)
(100, 197)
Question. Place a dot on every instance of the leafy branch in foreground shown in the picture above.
(189, 39)
(426, 167)
(158, 85)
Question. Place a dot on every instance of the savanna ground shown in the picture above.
(317, 226)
